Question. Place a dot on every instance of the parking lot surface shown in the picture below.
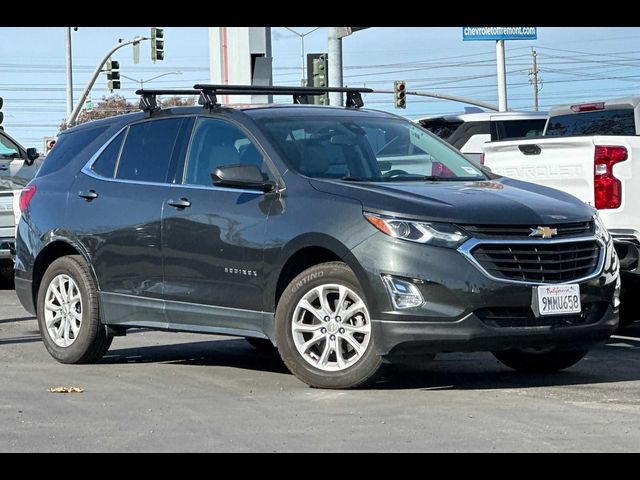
(158, 391)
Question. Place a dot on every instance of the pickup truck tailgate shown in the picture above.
(565, 163)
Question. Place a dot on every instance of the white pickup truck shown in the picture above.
(591, 151)
(17, 167)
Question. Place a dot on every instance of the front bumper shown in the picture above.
(456, 291)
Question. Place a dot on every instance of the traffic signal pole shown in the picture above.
(502, 76)
(76, 111)
(453, 98)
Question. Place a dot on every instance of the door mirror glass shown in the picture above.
(32, 155)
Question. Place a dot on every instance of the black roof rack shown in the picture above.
(208, 94)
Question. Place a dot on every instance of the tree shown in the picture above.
(107, 107)
(177, 102)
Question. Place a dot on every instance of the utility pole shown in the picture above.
(334, 48)
(534, 80)
(502, 76)
(69, 69)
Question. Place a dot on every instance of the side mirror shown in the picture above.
(32, 155)
(241, 176)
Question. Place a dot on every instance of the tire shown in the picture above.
(90, 342)
(333, 361)
(545, 361)
(260, 344)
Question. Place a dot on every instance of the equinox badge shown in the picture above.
(544, 232)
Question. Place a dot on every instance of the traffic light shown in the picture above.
(113, 75)
(319, 77)
(157, 44)
(399, 94)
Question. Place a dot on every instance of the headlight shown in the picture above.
(433, 233)
(601, 230)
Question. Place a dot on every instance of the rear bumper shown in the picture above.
(470, 334)
(7, 249)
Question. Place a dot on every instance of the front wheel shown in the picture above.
(69, 314)
(323, 329)
(540, 360)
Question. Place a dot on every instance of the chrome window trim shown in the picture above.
(88, 170)
(467, 247)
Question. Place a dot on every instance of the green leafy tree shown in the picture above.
(107, 107)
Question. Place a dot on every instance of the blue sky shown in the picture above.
(576, 64)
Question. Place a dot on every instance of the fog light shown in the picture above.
(403, 294)
(616, 293)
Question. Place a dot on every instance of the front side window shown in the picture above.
(217, 143)
(147, 151)
(8, 149)
(366, 148)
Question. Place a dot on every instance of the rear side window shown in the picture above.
(502, 130)
(105, 165)
(598, 122)
(68, 146)
(441, 128)
(146, 154)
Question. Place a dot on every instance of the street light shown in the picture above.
(142, 82)
(302, 35)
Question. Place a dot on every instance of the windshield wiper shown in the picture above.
(349, 178)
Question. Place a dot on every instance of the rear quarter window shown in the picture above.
(67, 147)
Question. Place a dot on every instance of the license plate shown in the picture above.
(557, 300)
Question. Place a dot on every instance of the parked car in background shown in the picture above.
(468, 132)
(592, 151)
(343, 236)
(17, 167)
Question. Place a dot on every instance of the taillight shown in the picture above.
(607, 188)
(482, 159)
(26, 195)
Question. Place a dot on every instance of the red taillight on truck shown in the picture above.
(482, 159)
(26, 195)
(607, 188)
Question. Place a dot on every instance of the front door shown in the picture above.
(213, 237)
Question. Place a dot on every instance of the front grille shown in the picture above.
(517, 231)
(539, 262)
(523, 317)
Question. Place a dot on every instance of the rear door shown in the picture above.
(115, 210)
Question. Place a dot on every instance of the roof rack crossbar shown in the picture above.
(208, 94)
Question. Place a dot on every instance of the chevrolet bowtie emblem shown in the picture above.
(544, 232)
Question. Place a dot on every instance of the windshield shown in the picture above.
(366, 149)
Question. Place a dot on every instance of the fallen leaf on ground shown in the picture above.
(65, 390)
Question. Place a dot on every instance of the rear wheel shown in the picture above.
(323, 329)
(68, 313)
(540, 360)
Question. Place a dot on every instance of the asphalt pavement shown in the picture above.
(158, 391)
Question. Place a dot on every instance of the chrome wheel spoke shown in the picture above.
(357, 307)
(324, 358)
(302, 327)
(305, 346)
(339, 358)
(354, 343)
(305, 305)
(356, 329)
(324, 303)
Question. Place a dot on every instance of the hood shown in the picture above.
(503, 201)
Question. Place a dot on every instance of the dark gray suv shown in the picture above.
(342, 236)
